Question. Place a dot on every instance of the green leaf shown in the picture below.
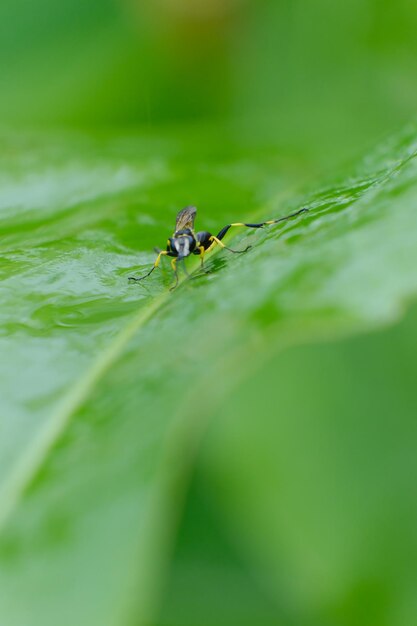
(108, 388)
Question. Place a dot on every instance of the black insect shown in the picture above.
(185, 241)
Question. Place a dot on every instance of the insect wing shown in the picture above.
(185, 218)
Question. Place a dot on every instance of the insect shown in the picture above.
(185, 241)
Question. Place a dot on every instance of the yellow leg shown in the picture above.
(213, 244)
(158, 259)
(174, 267)
(217, 241)
(155, 265)
(202, 253)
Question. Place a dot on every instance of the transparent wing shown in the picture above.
(185, 218)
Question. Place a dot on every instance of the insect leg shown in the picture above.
(202, 253)
(207, 241)
(184, 267)
(261, 224)
(215, 240)
(174, 267)
(155, 265)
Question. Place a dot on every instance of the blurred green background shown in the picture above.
(299, 507)
(321, 78)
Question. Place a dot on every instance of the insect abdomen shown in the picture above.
(203, 239)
